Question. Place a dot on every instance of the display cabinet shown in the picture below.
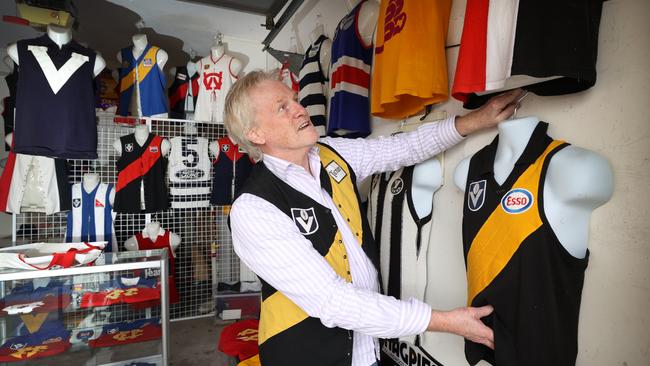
(115, 312)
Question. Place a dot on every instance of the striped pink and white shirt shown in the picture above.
(270, 244)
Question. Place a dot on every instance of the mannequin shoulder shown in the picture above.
(367, 20)
(236, 66)
(12, 51)
(460, 173)
(100, 64)
(580, 175)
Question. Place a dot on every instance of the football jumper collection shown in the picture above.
(92, 216)
(183, 93)
(189, 172)
(313, 82)
(143, 77)
(141, 165)
(231, 168)
(55, 103)
(408, 72)
(349, 112)
(504, 43)
(516, 263)
(215, 80)
(402, 237)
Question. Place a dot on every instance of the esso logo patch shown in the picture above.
(516, 201)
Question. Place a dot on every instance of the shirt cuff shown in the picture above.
(448, 132)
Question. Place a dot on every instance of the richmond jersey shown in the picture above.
(516, 263)
(92, 216)
(189, 172)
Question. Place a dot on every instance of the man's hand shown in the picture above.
(497, 109)
(465, 322)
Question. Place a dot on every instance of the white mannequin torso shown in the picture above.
(577, 182)
(153, 230)
(367, 19)
(90, 180)
(141, 133)
(427, 179)
(217, 51)
(140, 43)
(325, 57)
(60, 36)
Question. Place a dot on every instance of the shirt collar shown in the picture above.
(281, 168)
(145, 233)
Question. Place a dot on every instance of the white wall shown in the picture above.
(610, 119)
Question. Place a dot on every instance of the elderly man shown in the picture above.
(297, 224)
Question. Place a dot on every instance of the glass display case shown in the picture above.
(115, 312)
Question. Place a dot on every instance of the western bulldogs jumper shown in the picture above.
(231, 168)
(516, 263)
(161, 242)
(215, 80)
(55, 100)
(349, 80)
(410, 66)
(141, 165)
(49, 177)
(92, 216)
(144, 74)
(122, 290)
(313, 82)
(183, 93)
(128, 332)
(505, 44)
(189, 172)
(285, 329)
(402, 237)
(51, 339)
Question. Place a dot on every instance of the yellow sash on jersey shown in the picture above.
(128, 81)
(502, 233)
(278, 313)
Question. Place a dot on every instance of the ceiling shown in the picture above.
(176, 26)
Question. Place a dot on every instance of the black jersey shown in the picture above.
(141, 165)
(183, 93)
(516, 263)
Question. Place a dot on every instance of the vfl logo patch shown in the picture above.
(335, 171)
(147, 62)
(305, 219)
(397, 186)
(85, 335)
(225, 148)
(476, 195)
(76, 202)
(153, 149)
(98, 203)
(516, 201)
(128, 147)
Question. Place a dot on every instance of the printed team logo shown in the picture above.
(153, 149)
(476, 195)
(397, 186)
(206, 67)
(394, 21)
(336, 172)
(128, 147)
(212, 80)
(225, 148)
(305, 219)
(17, 346)
(516, 201)
(147, 62)
(85, 335)
(190, 174)
(76, 202)
(99, 203)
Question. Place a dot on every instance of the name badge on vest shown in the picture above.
(305, 220)
(335, 170)
(476, 195)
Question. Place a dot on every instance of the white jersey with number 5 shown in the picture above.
(189, 172)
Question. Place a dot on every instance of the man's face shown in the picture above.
(283, 127)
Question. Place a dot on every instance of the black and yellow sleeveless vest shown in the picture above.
(287, 335)
(516, 263)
